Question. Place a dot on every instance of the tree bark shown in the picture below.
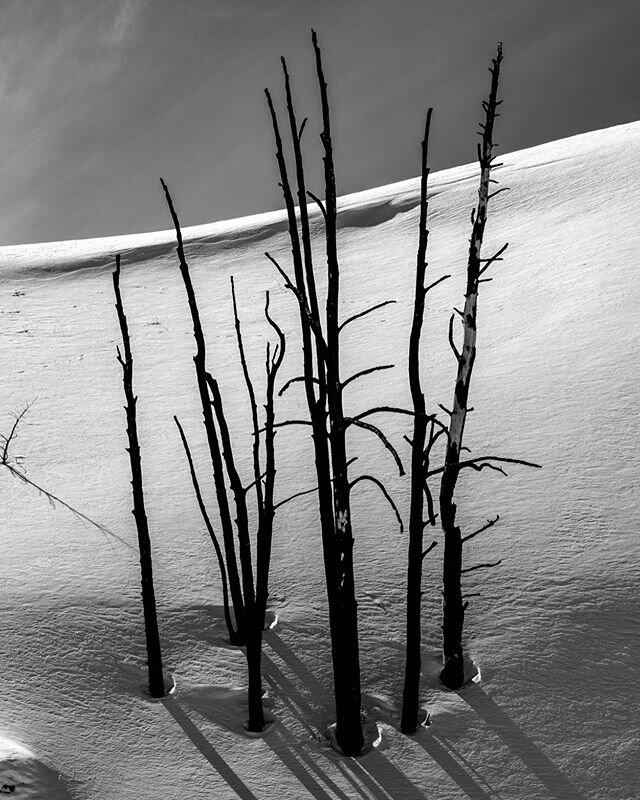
(413, 665)
(152, 636)
(452, 674)
(324, 399)
(199, 360)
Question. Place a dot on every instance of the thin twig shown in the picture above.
(480, 566)
(490, 524)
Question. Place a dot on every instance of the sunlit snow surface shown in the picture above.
(555, 630)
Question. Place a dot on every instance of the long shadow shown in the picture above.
(208, 751)
(542, 767)
(381, 778)
(454, 770)
(279, 741)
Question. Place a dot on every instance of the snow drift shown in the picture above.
(555, 630)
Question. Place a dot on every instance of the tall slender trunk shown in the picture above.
(411, 691)
(152, 635)
(452, 674)
(323, 391)
(199, 360)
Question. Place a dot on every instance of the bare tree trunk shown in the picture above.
(154, 654)
(452, 674)
(211, 532)
(413, 664)
(255, 596)
(323, 390)
(199, 360)
(345, 647)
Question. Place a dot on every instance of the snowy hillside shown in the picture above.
(555, 630)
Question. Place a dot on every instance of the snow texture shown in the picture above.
(555, 630)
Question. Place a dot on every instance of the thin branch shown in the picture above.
(384, 491)
(504, 189)
(490, 524)
(364, 372)
(291, 381)
(208, 525)
(252, 398)
(294, 496)
(435, 283)
(481, 462)
(364, 313)
(308, 491)
(452, 344)
(429, 549)
(278, 357)
(319, 203)
(369, 427)
(480, 566)
(290, 422)
(489, 261)
(383, 410)
(12, 433)
(304, 306)
(52, 498)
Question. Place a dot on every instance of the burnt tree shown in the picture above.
(154, 653)
(426, 431)
(453, 603)
(323, 387)
(240, 571)
(237, 633)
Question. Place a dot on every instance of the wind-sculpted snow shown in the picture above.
(555, 628)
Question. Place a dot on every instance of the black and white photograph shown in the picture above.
(319, 458)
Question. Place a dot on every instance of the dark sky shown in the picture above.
(101, 97)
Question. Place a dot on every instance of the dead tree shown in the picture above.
(251, 581)
(237, 633)
(454, 605)
(154, 653)
(13, 463)
(426, 431)
(324, 386)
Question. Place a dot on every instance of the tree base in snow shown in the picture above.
(371, 732)
(453, 677)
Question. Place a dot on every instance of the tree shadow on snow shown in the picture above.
(520, 745)
(372, 776)
(200, 741)
(460, 773)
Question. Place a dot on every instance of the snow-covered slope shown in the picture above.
(555, 630)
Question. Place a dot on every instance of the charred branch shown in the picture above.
(384, 491)
(361, 314)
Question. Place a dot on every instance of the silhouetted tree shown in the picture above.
(323, 386)
(154, 654)
(230, 489)
(426, 431)
(454, 605)
(237, 633)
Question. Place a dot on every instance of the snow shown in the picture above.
(555, 630)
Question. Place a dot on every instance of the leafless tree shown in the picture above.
(237, 632)
(426, 432)
(230, 489)
(454, 605)
(154, 653)
(324, 386)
